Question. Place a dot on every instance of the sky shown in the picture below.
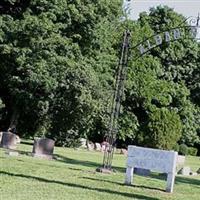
(186, 7)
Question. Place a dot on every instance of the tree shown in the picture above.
(49, 70)
(163, 79)
(163, 129)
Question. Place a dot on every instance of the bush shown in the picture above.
(183, 149)
(192, 151)
(163, 129)
(69, 138)
(176, 147)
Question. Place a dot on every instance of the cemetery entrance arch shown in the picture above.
(189, 29)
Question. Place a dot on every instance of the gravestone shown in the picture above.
(193, 174)
(9, 140)
(97, 147)
(83, 142)
(124, 152)
(154, 160)
(180, 160)
(185, 171)
(12, 153)
(104, 146)
(90, 145)
(43, 148)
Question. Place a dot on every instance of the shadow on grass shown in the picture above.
(27, 142)
(84, 163)
(158, 176)
(122, 184)
(189, 181)
(178, 179)
(73, 185)
(27, 153)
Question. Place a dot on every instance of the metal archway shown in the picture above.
(192, 31)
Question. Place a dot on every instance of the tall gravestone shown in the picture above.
(1, 134)
(154, 160)
(43, 148)
(9, 140)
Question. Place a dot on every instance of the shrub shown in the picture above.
(192, 151)
(183, 149)
(176, 147)
(69, 138)
(163, 129)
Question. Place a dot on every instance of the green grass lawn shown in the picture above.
(72, 176)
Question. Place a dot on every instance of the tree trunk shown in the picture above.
(14, 121)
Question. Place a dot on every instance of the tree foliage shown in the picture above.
(58, 61)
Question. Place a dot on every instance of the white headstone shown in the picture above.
(154, 160)
(97, 146)
(180, 160)
(83, 142)
(90, 146)
(185, 171)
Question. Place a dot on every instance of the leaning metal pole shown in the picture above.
(116, 103)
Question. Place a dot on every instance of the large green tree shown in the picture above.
(164, 78)
(52, 58)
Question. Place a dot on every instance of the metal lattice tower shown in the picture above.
(116, 103)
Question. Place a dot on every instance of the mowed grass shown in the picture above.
(72, 176)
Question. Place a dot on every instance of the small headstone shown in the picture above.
(198, 171)
(12, 153)
(180, 160)
(193, 174)
(9, 140)
(97, 147)
(142, 172)
(43, 148)
(83, 142)
(124, 152)
(185, 171)
(90, 146)
(104, 145)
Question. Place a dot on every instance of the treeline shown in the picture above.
(58, 61)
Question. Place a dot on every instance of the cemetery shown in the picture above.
(71, 175)
(96, 103)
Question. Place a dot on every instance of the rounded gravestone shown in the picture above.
(9, 140)
(43, 148)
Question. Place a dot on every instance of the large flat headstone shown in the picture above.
(9, 140)
(12, 153)
(153, 160)
(43, 148)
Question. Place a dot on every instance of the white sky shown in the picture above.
(186, 7)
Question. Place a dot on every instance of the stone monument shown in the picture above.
(43, 148)
(154, 160)
(9, 140)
